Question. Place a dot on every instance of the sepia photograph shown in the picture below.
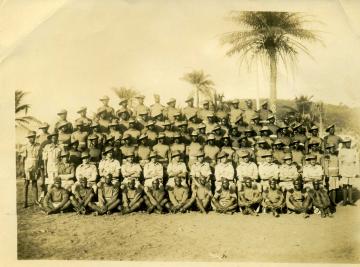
(184, 131)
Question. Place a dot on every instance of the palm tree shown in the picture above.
(21, 118)
(203, 85)
(127, 93)
(269, 37)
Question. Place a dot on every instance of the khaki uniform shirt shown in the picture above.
(153, 170)
(109, 166)
(248, 169)
(88, 171)
(268, 171)
(224, 170)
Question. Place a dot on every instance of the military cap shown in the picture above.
(181, 123)
(242, 137)
(94, 124)
(295, 142)
(122, 110)
(85, 154)
(313, 128)
(261, 141)
(63, 111)
(222, 154)
(176, 153)
(248, 130)
(192, 116)
(171, 100)
(248, 101)
(64, 154)
(287, 156)
(153, 154)
(105, 97)
(53, 133)
(347, 140)
(126, 136)
(278, 142)
(31, 134)
(149, 123)
(160, 135)
(157, 113)
(311, 156)
(200, 154)
(57, 180)
(195, 133)
(113, 122)
(205, 102)
(81, 109)
(266, 154)
(329, 127)
(44, 126)
(225, 136)
(297, 125)
(176, 114)
(282, 125)
(166, 123)
(244, 154)
(189, 99)
(143, 112)
(140, 96)
(176, 135)
(143, 136)
(92, 137)
(62, 124)
(235, 101)
(265, 128)
(264, 103)
(108, 149)
(77, 123)
(330, 145)
(131, 120)
(201, 126)
(211, 137)
(216, 127)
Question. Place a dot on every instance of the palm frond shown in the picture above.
(24, 107)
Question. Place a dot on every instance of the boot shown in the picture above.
(344, 193)
(351, 202)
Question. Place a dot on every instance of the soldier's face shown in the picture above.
(161, 140)
(225, 184)
(177, 181)
(313, 162)
(298, 185)
(202, 130)
(235, 105)
(223, 159)
(248, 183)
(249, 104)
(316, 185)
(265, 133)
(155, 184)
(175, 159)
(44, 130)
(190, 103)
(151, 127)
(288, 161)
(159, 117)
(246, 159)
(124, 116)
(177, 117)
(176, 140)
(83, 183)
(109, 155)
(223, 121)
(31, 140)
(332, 130)
(63, 116)
(141, 101)
(278, 147)
(103, 115)
(105, 102)
(57, 184)
(314, 132)
(206, 106)
(82, 113)
(108, 179)
(211, 142)
(248, 134)
(172, 104)
(347, 144)
(153, 159)
(64, 159)
(143, 141)
(273, 184)
(131, 125)
(210, 119)
(193, 138)
(226, 141)
(85, 160)
(265, 106)
(268, 159)
(143, 117)
(200, 159)
(127, 141)
(271, 121)
(54, 139)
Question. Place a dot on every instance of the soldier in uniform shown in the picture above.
(349, 170)
(271, 124)
(56, 199)
(193, 149)
(130, 170)
(203, 113)
(140, 108)
(171, 110)
(278, 152)
(265, 134)
(264, 111)
(260, 150)
(299, 134)
(64, 136)
(193, 123)
(189, 111)
(249, 198)
(94, 149)
(114, 130)
(132, 131)
(224, 200)
(255, 125)
(80, 135)
(123, 103)
(153, 170)
(246, 169)
(297, 152)
(143, 150)
(142, 120)
(176, 168)
(74, 153)
(109, 165)
(42, 139)
(94, 129)
(298, 199)
(156, 108)
(131, 197)
(178, 146)
(66, 171)
(268, 170)
(283, 135)
(127, 148)
(210, 122)
(124, 117)
(162, 150)
(82, 197)
(224, 170)
(211, 150)
(155, 198)
(314, 149)
(235, 136)
(150, 133)
(109, 111)
(86, 122)
(108, 197)
(202, 137)
(103, 120)
(200, 169)
(249, 112)
(288, 173)
(312, 171)
(179, 196)
(235, 111)
(87, 170)
(63, 118)
(201, 194)
(314, 137)
(332, 138)
(330, 164)
(167, 132)
(227, 148)
(320, 199)
(31, 156)
(273, 199)
(183, 131)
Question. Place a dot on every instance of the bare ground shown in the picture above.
(189, 237)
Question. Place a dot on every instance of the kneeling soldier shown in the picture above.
(179, 196)
(273, 198)
(131, 198)
(298, 200)
(320, 199)
(108, 197)
(56, 199)
(81, 199)
(155, 198)
(249, 198)
(224, 201)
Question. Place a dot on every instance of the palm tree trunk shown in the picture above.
(197, 96)
(273, 78)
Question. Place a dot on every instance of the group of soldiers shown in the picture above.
(166, 159)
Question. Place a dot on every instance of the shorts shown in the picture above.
(286, 185)
(334, 182)
(55, 204)
(347, 181)
(30, 175)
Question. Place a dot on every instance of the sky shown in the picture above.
(67, 54)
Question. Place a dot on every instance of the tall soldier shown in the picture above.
(189, 111)
(63, 118)
(42, 139)
(264, 111)
(171, 109)
(156, 108)
(109, 112)
(330, 164)
(332, 138)
(86, 122)
(103, 120)
(249, 112)
(203, 113)
(235, 111)
(123, 103)
(66, 171)
(140, 108)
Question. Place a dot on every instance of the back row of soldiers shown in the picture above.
(161, 143)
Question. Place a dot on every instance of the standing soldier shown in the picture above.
(80, 135)
(94, 149)
(268, 170)
(273, 199)
(298, 199)
(288, 173)
(249, 112)
(82, 198)
(235, 136)
(205, 111)
(124, 117)
(150, 133)
(140, 108)
(314, 137)
(127, 148)
(249, 198)
(103, 121)
(211, 150)
(156, 108)
(298, 156)
(235, 111)
(130, 170)
(202, 137)
(108, 197)
(224, 200)
(332, 138)
(86, 122)
(193, 123)
(153, 170)
(42, 139)
(171, 110)
(185, 136)
(264, 111)
(87, 170)
(143, 150)
(271, 124)
(265, 134)
(57, 199)
(224, 170)
(75, 153)
(210, 122)
(114, 130)
(200, 169)
(141, 120)
(193, 149)
(109, 165)
(66, 171)
(246, 169)
(349, 169)
(155, 198)
(320, 199)
(312, 171)
(63, 119)
(64, 136)
(168, 132)
(177, 146)
(330, 164)
(283, 135)
(162, 150)
(260, 150)
(190, 111)
(31, 158)
(123, 103)
(131, 197)
(109, 111)
(94, 129)
(227, 148)
(255, 125)
(132, 131)
(176, 168)
(314, 149)
(299, 134)
(278, 152)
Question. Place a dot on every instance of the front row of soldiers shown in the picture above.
(176, 194)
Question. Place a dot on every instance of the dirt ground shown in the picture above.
(189, 237)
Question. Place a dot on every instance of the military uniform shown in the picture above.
(331, 170)
(131, 171)
(224, 171)
(31, 154)
(249, 198)
(192, 150)
(81, 137)
(287, 175)
(176, 169)
(110, 166)
(152, 171)
(87, 170)
(51, 154)
(311, 173)
(143, 153)
(298, 200)
(200, 169)
(244, 170)
(268, 171)
(163, 152)
(211, 152)
(225, 198)
(66, 172)
(348, 165)
(273, 199)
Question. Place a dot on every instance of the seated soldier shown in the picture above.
(108, 197)
(153, 170)
(82, 197)
(56, 199)
(224, 170)
(249, 198)
(268, 170)
(312, 171)
(320, 199)
(288, 172)
(130, 171)
(109, 165)
(201, 194)
(298, 200)
(246, 169)
(224, 201)
(273, 199)
(155, 198)
(179, 196)
(131, 197)
(200, 169)
(66, 171)
(176, 168)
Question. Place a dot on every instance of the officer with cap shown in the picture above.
(246, 169)
(80, 135)
(235, 111)
(224, 170)
(176, 168)
(211, 150)
(157, 107)
(51, 158)
(260, 150)
(86, 122)
(203, 113)
(162, 150)
(87, 170)
(200, 169)
(130, 170)
(268, 170)
(332, 138)
(153, 170)
(264, 111)
(143, 151)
